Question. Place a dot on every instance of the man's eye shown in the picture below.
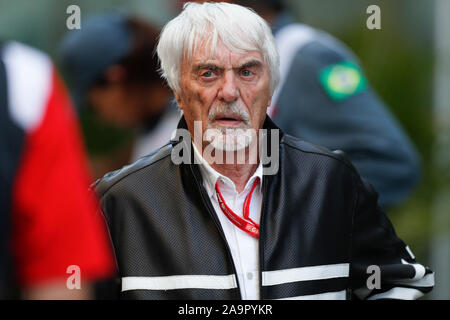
(208, 74)
(246, 73)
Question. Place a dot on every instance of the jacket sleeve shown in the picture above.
(359, 123)
(382, 265)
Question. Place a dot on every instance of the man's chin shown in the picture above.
(228, 140)
(229, 147)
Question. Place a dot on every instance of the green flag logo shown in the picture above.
(342, 80)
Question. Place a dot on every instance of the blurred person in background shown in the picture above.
(324, 98)
(48, 220)
(110, 65)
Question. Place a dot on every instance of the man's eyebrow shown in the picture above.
(208, 66)
(211, 66)
(251, 63)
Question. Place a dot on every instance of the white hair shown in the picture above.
(239, 28)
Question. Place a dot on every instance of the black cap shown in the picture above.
(86, 53)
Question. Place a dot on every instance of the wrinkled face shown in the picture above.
(226, 91)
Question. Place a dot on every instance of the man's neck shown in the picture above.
(237, 171)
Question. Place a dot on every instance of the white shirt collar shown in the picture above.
(210, 176)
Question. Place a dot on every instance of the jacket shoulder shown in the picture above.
(110, 179)
(300, 146)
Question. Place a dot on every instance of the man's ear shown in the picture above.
(179, 100)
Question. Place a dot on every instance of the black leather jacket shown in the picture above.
(320, 229)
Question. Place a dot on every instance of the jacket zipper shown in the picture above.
(217, 222)
(260, 247)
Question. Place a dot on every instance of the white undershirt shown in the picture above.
(244, 248)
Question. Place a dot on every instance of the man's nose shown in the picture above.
(229, 90)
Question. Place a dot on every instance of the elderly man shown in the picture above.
(201, 219)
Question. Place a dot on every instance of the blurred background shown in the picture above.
(407, 62)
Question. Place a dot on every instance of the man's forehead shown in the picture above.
(222, 55)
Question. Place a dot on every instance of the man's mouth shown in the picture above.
(228, 120)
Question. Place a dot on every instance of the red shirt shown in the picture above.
(56, 220)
